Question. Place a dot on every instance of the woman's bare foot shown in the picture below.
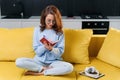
(47, 67)
(34, 73)
(37, 73)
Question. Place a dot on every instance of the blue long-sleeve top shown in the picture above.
(43, 54)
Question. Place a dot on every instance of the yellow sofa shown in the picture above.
(16, 43)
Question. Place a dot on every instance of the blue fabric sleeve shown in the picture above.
(38, 48)
(59, 49)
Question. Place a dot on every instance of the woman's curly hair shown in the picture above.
(51, 9)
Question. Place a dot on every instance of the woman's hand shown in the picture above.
(48, 46)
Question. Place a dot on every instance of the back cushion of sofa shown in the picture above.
(76, 45)
(15, 43)
(95, 44)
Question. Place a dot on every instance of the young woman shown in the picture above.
(47, 60)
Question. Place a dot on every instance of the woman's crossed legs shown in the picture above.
(38, 68)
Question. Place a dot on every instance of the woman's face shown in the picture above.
(49, 21)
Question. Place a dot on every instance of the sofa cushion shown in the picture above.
(71, 76)
(16, 43)
(110, 50)
(76, 45)
(95, 44)
(111, 72)
(8, 71)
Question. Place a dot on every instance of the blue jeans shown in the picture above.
(58, 67)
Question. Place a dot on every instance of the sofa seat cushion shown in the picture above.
(71, 76)
(8, 71)
(111, 72)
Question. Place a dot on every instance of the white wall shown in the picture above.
(67, 23)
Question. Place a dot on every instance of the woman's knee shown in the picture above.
(69, 68)
(19, 62)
